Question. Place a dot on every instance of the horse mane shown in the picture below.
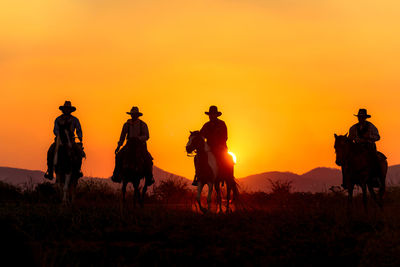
(195, 133)
(354, 147)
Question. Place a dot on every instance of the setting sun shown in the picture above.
(233, 156)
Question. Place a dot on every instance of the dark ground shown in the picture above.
(266, 230)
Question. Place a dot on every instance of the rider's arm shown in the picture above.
(204, 130)
(144, 136)
(353, 133)
(374, 134)
(123, 135)
(78, 129)
(224, 132)
(56, 129)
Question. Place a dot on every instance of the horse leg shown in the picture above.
(382, 189)
(59, 185)
(198, 197)
(70, 187)
(66, 188)
(124, 184)
(365, 199)
(210, 189)
(136, 194)
(228, 197)
(73, 191)
(144, 190)
(219, 199)
(373, 195)
(350, 197)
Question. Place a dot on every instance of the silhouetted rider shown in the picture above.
(65, 124)
(216, 134)
(136, 133)
(365, 134)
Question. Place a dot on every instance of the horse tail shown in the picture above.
(235, 189)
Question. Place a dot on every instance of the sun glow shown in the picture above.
(233, 156)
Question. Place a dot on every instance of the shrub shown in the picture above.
(172, 190)
(280, 187)
(91, 189)
(9, 192)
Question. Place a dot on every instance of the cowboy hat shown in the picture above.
(213, 110)
(67, 107)
(135, 110)
(362, 112)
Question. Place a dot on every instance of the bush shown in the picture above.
(280, 187)
(91, 189)
(42, 192)
(9, 192)
(173, 191)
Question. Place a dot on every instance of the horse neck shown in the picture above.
(200, 145)
(353, 154)
(207, 147)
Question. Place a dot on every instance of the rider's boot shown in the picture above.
(195, 181)
(49, 174)
(150, 180)
(116, 173)
(148, 161)
(115, 177)
(50, 158)
(344, 184)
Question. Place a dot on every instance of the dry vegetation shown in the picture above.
(278, 228)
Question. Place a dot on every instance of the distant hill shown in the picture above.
(317, 180)
(22, 177)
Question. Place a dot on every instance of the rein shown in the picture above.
(191, 155)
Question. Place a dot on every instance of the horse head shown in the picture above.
(342, 146)
(196, 142)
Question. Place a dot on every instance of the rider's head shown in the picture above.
(135, 114)
(67, 108)
(362, 115)
(361, 119)
(213, 113)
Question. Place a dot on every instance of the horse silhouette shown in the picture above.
(67, 163)
(133, 170)
(207, 172)
(359, 169)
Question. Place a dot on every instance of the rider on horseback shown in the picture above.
(216, 134)
(365, 134)
(65, 123)
(135, 131)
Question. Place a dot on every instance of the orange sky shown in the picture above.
(286, 74)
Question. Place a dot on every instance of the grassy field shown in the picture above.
(274, 229)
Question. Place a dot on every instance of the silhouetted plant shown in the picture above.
(280, 187)
(172, 190)
(9, 192)
(46, 192)
(94, 190)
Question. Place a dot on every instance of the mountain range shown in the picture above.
(26, 178)
(317, 180)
